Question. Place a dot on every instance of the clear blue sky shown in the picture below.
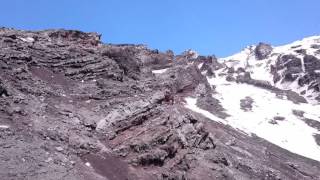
(220, 27)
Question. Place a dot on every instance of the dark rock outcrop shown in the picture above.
(311, 63)
(80, 109)
(3, 91)
(262, 51)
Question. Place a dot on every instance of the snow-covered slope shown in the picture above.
(269, 117)
(272, 92)
(283, 66)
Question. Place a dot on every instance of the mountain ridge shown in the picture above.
(72, 107)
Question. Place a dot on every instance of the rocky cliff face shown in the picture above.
(73, 108)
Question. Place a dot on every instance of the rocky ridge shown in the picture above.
(72, 107)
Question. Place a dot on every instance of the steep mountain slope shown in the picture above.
(273, 86)
(74, 108)
(292, 67)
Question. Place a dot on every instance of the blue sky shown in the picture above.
(220, 27)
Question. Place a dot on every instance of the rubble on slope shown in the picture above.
(76, 108)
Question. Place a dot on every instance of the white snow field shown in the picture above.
(291, 133)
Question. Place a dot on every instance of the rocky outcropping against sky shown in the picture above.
(72, 107)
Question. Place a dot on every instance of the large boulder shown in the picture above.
(184, 78)
(262, 51)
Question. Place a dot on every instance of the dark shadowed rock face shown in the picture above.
(74, 108)
(290, 65)
(288, 61)
(292, 69)
(262, 51)
(3, 91)
(311, 63)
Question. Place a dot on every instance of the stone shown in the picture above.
(246, 103)
(3, 91)
(59, 149)
(262, 51)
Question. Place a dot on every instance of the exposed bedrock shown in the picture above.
(72, 107)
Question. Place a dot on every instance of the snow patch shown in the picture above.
(160, 71)
(243, 55)
(88, 164)
(200, 65)
(4, 127)
(259, 69)
(301, 44)
(28, 39)
(291, 133)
